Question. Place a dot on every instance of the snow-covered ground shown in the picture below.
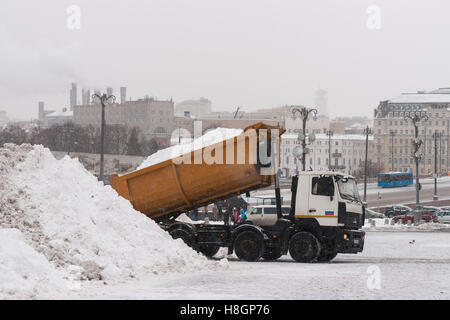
(392, 266)
(381, 225)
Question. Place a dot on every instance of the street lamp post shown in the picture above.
(304, 113)
(68, 135)
(415, 119)
(103, 100)
(367, 131)
(329, 134)
(435, 136)
(440, 153)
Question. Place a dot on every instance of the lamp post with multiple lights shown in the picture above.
(417, 143)
(104, 99)
(305, 114)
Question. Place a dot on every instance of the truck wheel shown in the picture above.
(304, 247)
(249, 246)
(208, 250)
(272, 254)
(183, 235)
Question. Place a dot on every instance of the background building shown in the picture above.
(353, 125)
(347, 153)
(320, 125)
(73, 96)
(47, 118)
(154, 118)
(196, 108)
(389, 117)
(58, 117)
(321, 102)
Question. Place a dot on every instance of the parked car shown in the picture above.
(265, 215)
(396, 210)
(428, 215)
(443, 216)
(370, 214)
(429, 208)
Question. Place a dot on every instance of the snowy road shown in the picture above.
(407, 271)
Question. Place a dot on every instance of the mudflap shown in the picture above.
(351, 241)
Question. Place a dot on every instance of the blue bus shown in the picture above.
(395, 179)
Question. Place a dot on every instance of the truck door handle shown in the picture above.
(312, 210)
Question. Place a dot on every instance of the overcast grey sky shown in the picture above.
(249, 53)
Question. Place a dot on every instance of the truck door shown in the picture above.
(323, 202)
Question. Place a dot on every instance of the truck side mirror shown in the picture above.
(331, 198)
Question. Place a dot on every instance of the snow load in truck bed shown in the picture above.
(210, 138)
(68, 226)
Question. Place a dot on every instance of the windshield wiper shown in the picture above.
(350, 197)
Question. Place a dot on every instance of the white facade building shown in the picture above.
(394, 135)
(347, 153)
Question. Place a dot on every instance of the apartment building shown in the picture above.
(393, 134)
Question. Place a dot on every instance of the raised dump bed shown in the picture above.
(203, 176)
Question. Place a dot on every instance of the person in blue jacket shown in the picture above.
(243, 216)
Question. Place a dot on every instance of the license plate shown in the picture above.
(356, 241)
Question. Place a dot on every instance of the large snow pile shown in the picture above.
(380, 225)
(24, 272)
(74, 222)
(209, 138)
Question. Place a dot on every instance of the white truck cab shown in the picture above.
(331, 198)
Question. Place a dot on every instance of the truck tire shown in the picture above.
(182, 234)
(208, 250)
(304, 247)
(249, 246)
(272, 254)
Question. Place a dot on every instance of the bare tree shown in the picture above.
(372, 170)
(116, 139)
(150, 146)
(13, 134)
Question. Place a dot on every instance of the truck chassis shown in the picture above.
(304, 239)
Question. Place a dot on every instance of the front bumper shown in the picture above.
(351, 241)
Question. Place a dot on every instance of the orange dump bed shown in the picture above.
(193, 180)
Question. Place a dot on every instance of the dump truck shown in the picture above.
(325, 215)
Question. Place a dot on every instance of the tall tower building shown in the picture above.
(320, 101)
(73, 96)
(88, 97)
(41, 112)
(85, 97)
(96, 100)
(109, 91)
(123, 94)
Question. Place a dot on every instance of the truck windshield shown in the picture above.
(348, 189)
